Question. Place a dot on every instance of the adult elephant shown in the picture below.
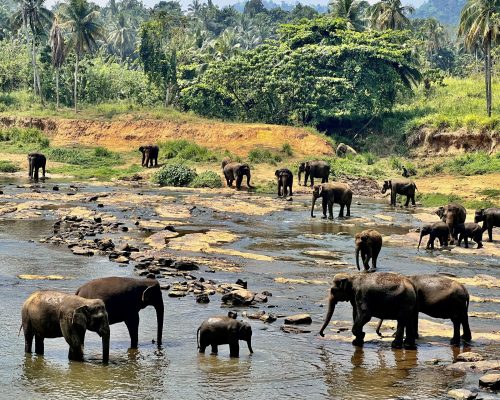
(224, 330)
(437, 230)
(149, 156)
(236, 171)
(339, 193)
(51, 314)
(441, 297)
(314, 169)
(491, 218)
(369, 243)
(452, 214)
(285, 182)
(403, 187)
(35, 162)
(381, 295)
(124, 298)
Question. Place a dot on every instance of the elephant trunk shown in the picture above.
(420, 241)
(105, 346)
(249, 344)
(357, 258)
(159, 319)
(331, 309)
(312, 207)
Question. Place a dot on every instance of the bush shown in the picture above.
(287, 150)
(257, 156)
(9, 167)
(474, 163)
(186, 150)
(25, 136)
(174, 175)
(370, 158)
(96, 157)
(207, 179)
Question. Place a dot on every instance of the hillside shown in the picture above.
(445, 11)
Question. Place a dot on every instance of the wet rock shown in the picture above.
(490, 381)
(232, 314)
(242, 283)
(165, 262)
(269, 318)
(266, 293)
(100, 205)
(165, 287)
(105, 244)
(260, 298)
(185, 266)
(462, 394)
(142, 265)
(91, 199)
(469, 356)
(98, 220)
(298, 319)
(55, 188)
(240, 297)
(177, 293)
(202, 299)
(255, 315)
(82, 251)
(293, 329)
(122, 260)
(124, 229)
(479, 366)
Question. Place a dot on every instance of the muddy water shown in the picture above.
(292, 365)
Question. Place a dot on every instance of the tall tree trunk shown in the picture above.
(57, 88)
(75, 89)
(36, 75)
(30, 55)
(488, 75)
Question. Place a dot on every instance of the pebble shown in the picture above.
(298, 319)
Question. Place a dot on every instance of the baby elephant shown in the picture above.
(469, 230)
(369, 242)
(438, 230)
(149, 156)
(491, 218)
(224, 330)
(285, 181)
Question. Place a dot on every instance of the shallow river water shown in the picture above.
(284, 365)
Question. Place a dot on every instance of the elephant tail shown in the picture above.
(21, 327)
(415, 186)
(198, 338)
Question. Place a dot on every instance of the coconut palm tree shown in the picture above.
(58, 52)
(434, 35)
(195, 7)
(389, 14)
(480, 24)
(352, 10)
(122, 37)
(82, 21)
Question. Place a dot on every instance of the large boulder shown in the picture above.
(469, 356)
(298, 319)
(343, 150)
(490, 381)
(462, 394)
(240, 297)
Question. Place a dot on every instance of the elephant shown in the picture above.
(380, 294)
(441, 297)
(149, 156)
(51, 314)
(314, 169)
(236, 171)
(453, 214)
(491, 218)
(36, 161)
(369, 242)
(124, 298)
(285, 182)
(469, 230)
(339, 193)
(437, 230)
(224, 330)
(402, 187)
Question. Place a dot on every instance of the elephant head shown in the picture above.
(363, 242)
(142, 149)
(426, 230)
(91, 316)
(152, 297)
(441, 212)
(341, 290)
(479, 216)
(225, 161)
(245, 333)
(317, 192)
(387, 185)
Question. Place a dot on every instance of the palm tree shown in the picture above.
(434, 35)
(480, 24)
(122, 37)
(352, 10)
(195, 7)
(58, 52)
(390, 14)
(81, 19)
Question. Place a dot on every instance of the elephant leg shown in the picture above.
(397, 343)
(39, 348)
(466, 240)
(28, 340)
(341, 211)
(324, 204)
(411, 332)
(407, 200)
(229, 182)
(43, 171)
(36, 172)
(467, 336)
(234, 349)
(413, 199)
(330, 210)
(239, 179)
(455, 340)
(312, 181)
(290, 190)
(348, 209)
(479, 241)
(133, 330)
(490, 233)
(357, 328)
(215, 349)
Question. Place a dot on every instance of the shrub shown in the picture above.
(474, 163)
(186, 150)
(263, 156)
(287, 150)
(25, 136)
(96, 157)
(395, 162)
(174, 175)
(370, 158)
(7, 166)
(207, 179)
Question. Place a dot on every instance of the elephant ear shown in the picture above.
(148, 296)
(81, 316)
(277, 173)
(343, 283)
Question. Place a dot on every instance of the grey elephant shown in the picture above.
(469, 230)
(149, 156)
(35, 162)
(437, 230)
(331, 193)
(124, 298)
(314, 169)
(285, 182)
(236, 171)
(441, 297)
(381, 295)
(403, 187)
(491, 218)
(51, 314)
(369, 243)
(452, 214)
(224, 330)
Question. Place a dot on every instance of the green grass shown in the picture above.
(440, 199)
(102, 173)
(8, 167)
(188, 151)
(477, 163)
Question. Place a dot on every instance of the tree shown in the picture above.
(82, 21)
(122, 37)
(390, 14)
(58, 52)
(254, 7)
(351, 10)
(300, 12)
(480, 24)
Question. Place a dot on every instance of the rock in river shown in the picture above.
(82, 251)
(490, 381)
(121, 260)
(240, 297)
(298, 319)
(462, 394)
(469, 356)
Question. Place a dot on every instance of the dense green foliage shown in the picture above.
(8, 167)
(207, 179)
(174, 175)
(185, 150)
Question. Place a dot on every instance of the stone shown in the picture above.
(55, 188)
(268, 318)
(122, 260)
(202, 299)
(185, 265)
(469, 356)
(266, 293)
(82, 251)
(255, 315)
(293, 329)
(242, 283)
(343, 149)
(177, 293)
(240, 297)
(106, 244)
(490, 381)
(477, 366)
(260, 298)
(462, 394)
(97, 220)
(298, 319)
